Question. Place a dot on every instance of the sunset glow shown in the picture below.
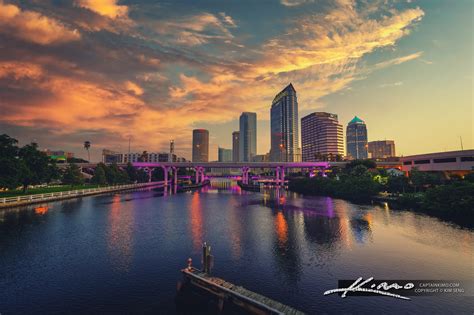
(107, 71)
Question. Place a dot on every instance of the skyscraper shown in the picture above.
(224, 155)
(200, 145)
(248, 136)
(284, 126)
(356, 139)
(382, 149)
(235, 146)
(321, 137)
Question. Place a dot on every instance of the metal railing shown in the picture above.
(71, 193)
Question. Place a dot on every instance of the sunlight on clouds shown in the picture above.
(108, 8)
(33, 27)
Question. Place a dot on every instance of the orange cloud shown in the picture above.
(33, 27)
(108, 8)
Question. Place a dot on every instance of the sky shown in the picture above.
(108, 71)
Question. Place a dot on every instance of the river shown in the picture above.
(122, 252)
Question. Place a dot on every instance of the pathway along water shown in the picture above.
(123, 252)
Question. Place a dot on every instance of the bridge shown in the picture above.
(245, 167)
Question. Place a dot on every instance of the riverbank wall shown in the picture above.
(9, 202)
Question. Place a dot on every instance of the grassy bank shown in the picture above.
(45, 190)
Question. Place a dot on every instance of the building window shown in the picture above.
(445, 160)
(467, 158)
(407, 163)
(422, 162)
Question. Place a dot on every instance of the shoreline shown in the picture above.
(12, 202)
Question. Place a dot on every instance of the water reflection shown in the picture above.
(120, 235)
(41, 210)
(195, 217)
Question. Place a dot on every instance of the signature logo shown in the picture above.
(376, 289)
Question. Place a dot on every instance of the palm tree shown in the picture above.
(87, 145)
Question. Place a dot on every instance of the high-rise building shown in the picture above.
(284, 126)
(382, 149)
(235, 146)
(356, 139)
(321, 137)
(200, 145)
(224, 155)
(248, 136)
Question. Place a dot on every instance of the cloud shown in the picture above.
(394, 84)
(158, 78)
(33, 27)
(294, 3)
(197, 29)
(399, 60)
(108, 8)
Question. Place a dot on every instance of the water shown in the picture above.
(122, 252)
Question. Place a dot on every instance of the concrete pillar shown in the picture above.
(277, 174)
(282, 176)
(165, 173)
(175, 176)
(196, 170)
(202, 174)
(150, 171)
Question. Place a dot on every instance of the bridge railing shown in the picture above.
(77, 192)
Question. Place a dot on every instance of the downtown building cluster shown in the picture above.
(322, 137)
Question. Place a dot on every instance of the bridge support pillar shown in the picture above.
(202, 174)
(165, 175)
(282, 176)
(277, 175)
(150, 171)
(175, 176)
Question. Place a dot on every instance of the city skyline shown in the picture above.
(106, 73)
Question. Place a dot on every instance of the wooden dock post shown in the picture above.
(207, 258)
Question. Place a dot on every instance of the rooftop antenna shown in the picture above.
(462, 148)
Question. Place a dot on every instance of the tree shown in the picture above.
(131, 172)
(99, 175)
(9, 163)
(72, 175)
(397, 184)
(34, 167)
(469, 177)
(143, 157)
(87, 146)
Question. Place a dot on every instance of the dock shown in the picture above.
(229, 293)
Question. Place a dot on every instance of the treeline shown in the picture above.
(26, 166)
(360, 181)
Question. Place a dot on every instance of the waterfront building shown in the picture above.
(451, 162)
(200, 145)
(284, 126)
(248, 136)
(109, 156)
(235, 146)
(356, 139)
(224, 155)
(321, 137)
(382, 149)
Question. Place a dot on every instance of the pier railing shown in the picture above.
(72, 193)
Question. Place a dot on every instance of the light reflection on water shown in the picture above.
(124, 251)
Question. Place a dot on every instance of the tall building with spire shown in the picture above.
(284, 126)
(356, 139)
(200, 145)
(248, 136)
